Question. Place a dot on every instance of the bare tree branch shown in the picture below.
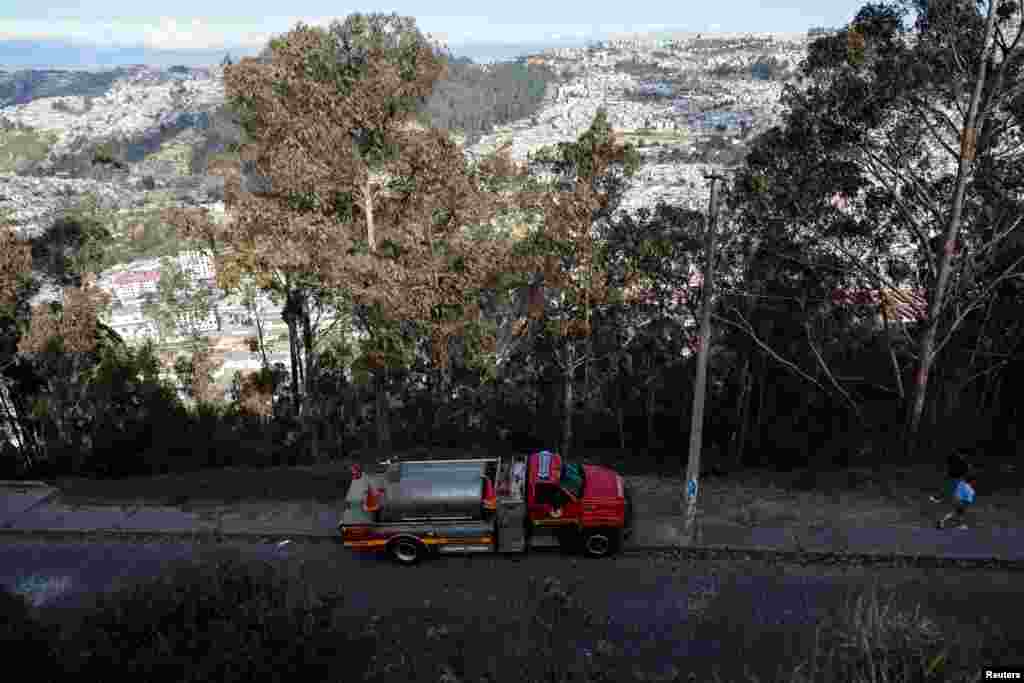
(746, 327)
(920, 106)
(828, 373)
(979, 300)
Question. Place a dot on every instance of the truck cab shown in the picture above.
(576, 504)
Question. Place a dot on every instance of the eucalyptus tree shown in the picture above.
(355, 199)
(897, 170)
(565, 256)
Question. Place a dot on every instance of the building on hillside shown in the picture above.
(130, 323)
(134, 284)
(820, 32)
(199, 266)
(188, 322)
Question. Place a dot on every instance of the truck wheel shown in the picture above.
(601, 542)
(405, 551)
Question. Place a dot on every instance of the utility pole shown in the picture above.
(700, 385)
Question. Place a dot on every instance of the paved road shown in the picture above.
(661, 610)
(38, 509)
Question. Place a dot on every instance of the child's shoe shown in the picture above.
(935, 499)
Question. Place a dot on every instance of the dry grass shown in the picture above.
(875, 640)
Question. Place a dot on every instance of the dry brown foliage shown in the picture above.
(568, 220)
(256, 395)
(204, 364)
(15, 261)
(309, 139)
(73, 328)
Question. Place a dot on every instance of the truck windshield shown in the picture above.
(572, 479)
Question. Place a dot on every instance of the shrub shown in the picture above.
(873, 640)
(21, 631)
(23, 148)
(104, 154)
(229, 620)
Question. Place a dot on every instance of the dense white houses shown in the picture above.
(187, 322)
(132, 285)
(196, 264)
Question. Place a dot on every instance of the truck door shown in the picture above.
(551, 506)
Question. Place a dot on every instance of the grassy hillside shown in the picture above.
(23, 145)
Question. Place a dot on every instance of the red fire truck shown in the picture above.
(414, 508)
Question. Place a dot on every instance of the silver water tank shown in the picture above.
(429, 490)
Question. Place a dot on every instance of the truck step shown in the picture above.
(445, 549)
(544, 542)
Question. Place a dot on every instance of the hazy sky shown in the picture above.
(249, 23)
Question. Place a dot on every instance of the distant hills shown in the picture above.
(56, 54)
(67, 55)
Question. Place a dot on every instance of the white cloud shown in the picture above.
(170, 34)
(165, 33)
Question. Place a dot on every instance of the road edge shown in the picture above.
(824, 558)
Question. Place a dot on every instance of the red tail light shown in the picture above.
(490, 499)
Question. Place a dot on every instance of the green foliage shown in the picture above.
(181, 305)
(389, 345)
(19, 149)
(77, 243)
(577, 159)
(105, 153)
(158, 239)
(473, 101)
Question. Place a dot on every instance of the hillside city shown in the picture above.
(705, 344)
(689, 103)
